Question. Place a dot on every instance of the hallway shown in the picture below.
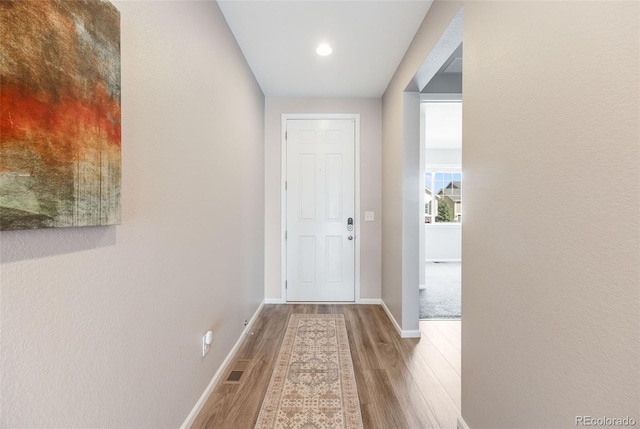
(402, 383)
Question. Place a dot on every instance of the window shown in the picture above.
(442, 196)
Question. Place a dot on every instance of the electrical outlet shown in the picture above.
(246, 322)
(369, 216)
(207, 339)
(205, 347)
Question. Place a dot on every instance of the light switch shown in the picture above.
(369, 217)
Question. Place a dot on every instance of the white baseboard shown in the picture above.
(410, 333)
(216, 377)
(374, 301)
(462, 424)
(406, 333)
(393, 319)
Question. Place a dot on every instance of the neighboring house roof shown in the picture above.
(452, 191)
(455, 199)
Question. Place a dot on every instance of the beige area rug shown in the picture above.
(313, 385)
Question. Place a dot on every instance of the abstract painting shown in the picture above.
(60, 143)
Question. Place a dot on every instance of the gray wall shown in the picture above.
(370, 184)
(550, 288)
(397, 264)
(102, 327)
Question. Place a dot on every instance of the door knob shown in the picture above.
(350, 237)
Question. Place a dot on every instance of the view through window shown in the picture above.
(443, 196)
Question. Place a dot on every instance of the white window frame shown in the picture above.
(441, 168)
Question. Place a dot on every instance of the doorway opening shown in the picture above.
(441, 143)
(439, 259)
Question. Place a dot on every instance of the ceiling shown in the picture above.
(279, 39)
(448, 80)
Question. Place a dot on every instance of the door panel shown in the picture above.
(307, 260)
(320, 199)
(334, 188)
(333, 246)
(307, 195)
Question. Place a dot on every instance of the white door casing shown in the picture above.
(320, 199)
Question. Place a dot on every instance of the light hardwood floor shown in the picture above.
(402, 383)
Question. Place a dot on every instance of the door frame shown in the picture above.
(283, 195)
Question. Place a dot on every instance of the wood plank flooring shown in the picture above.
(402, 383)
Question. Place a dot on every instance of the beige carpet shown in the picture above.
(313, 385)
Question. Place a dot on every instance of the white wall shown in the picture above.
(443, 124)
(439, 127)
(443, 156)
(443, 242)
(102, 327)
(370, 185)
(550, 294)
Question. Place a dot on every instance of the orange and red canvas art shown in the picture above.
(60, 142)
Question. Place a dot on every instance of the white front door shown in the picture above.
(320, 211)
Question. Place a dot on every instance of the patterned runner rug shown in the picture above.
(313, 385)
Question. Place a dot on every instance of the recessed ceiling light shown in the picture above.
(324, 50)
